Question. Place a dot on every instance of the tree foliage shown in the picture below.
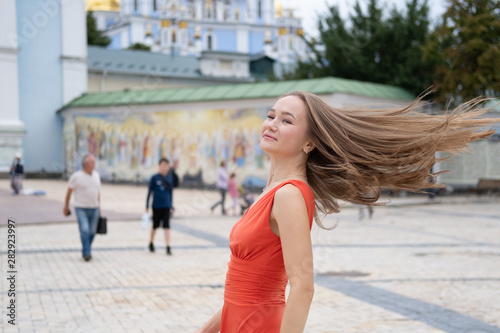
(466, 50)
(95, 36)
(371, 47)
(139, 46)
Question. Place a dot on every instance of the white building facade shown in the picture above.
(43, 62)
(189, 27)
(11, 127)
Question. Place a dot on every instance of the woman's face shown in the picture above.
(284, 130)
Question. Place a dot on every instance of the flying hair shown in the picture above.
(359, 150)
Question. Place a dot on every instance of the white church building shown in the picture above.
(189, 27)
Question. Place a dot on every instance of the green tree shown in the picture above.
(139, 46)
(370, 47)
(466, 50)
(95, 36)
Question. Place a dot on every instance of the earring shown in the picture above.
(306, 151)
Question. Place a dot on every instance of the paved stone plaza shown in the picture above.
(417, 266)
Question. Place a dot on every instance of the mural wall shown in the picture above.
(195, 142)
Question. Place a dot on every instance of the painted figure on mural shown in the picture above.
(165, 147)
(102, 144)
(155, 146)
(112, 148)
(133, 148)
(137, 153)
(122, 147)
(81, 142)
(211, 151)
(239, 150)
(146, 150)
(92, 141)
(226, 143)
(176, 152)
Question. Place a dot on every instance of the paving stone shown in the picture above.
(415, 267)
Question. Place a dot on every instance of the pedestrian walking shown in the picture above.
(361, 211)
(161, 186)
(319, 155)
(222, 185)
(86, 184)
(233, 193)
(16, 174)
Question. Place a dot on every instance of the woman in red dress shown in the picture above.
(325, 153)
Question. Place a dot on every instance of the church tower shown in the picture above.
(43, 61)
(12, 129)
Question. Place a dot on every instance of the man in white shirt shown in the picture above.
(86, 184)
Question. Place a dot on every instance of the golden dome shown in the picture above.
(106, 5)
(278, 8)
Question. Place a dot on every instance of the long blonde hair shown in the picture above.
(359, 150)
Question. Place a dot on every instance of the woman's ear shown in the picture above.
(309, 147)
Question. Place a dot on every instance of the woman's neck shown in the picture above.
(285, 169)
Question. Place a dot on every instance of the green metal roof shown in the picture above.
(323, 86)
(141, 62)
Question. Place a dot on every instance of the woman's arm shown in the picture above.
(213, 324)
(290, 214)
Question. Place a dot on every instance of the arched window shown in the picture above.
(136, 5)
(259, 9)
(209, 42)
(155, 6)
(174, 37)
(237, 14)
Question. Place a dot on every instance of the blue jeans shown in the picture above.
(87, 223)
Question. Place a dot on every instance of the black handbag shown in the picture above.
(102, 225)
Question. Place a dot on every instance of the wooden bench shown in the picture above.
(487, 185)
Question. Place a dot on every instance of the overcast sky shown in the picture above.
(308, 9)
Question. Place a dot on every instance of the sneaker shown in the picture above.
(87, 257)
(168, 251)
(151, 247)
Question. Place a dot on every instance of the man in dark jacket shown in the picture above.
(16, 174)
(162, 185)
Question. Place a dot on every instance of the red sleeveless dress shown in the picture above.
(254, 294)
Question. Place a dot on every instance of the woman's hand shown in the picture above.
(213, 324)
